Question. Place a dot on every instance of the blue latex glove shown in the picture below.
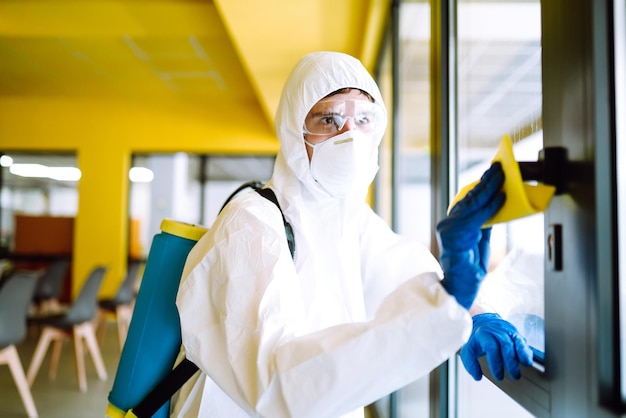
(500, 342)
(464, 245)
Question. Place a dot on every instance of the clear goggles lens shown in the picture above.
(330, 116)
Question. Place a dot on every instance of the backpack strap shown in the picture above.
(271, 196)
(166, 388)
(254, 184)
(183, 371)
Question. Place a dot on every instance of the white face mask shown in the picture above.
(345, 164)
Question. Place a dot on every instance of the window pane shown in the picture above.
(483, 399)
(499, 93)
(171, 193)
(620, 109)
(36, 184)
(186, 188)
(414, 190)
(412, 171)
(409, 214)
(225, 174)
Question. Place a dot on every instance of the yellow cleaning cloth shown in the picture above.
(521, 199)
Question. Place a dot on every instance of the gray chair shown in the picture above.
(120, 306)
(50, 287)
(76, 324)
(16, 295)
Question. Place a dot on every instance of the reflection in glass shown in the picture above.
(499, 93)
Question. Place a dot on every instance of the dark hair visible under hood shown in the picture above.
(348, 90)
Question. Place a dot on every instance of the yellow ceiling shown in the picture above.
(217, 54)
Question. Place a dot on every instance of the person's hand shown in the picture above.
(500, 342)
(464, 244)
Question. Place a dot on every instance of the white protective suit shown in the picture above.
(358, 314)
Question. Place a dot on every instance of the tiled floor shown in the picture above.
(62, 398)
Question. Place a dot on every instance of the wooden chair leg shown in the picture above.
(88, 333)
(80, 359)
(101, 325)
(47, 334)
(124, 315)
(10, 356)
(81, 332)
(57, 345)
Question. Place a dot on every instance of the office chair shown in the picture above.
(49, 288)
(16, 295)
(120, 306)
(77, 324)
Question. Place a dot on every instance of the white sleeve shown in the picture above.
(388, 260)
(240, 308)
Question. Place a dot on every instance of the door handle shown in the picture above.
(550, 168)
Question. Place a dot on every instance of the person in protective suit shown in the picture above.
(359, 311)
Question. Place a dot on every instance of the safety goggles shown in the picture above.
(329, 117)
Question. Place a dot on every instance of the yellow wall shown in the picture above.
(104, 134)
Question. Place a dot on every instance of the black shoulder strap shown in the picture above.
(168, 386)
(269, 195)
(254, 184)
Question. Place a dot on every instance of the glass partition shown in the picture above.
(403, 187)
(620, 111)
(186, 188)
(412, 159)
(413, 122)
(35, 184)
(499, 92)
(38, 204)
(224, 174)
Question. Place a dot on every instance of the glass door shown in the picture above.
(499, 93)
(620, 110)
